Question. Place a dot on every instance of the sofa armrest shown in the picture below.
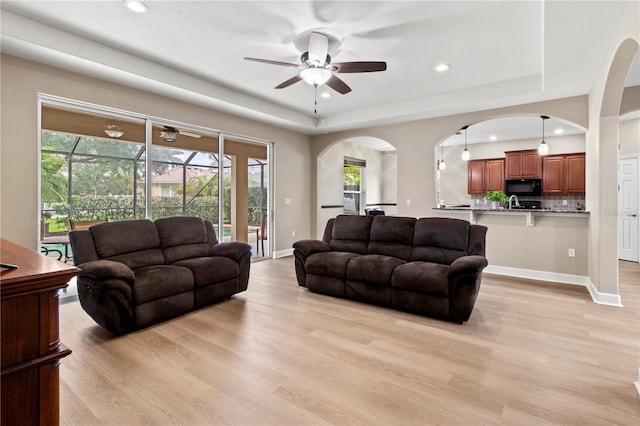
(465, 275)
(309, 247)
(233, 250)
(106, 269)
(467, 264)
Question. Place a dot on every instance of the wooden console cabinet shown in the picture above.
(31, 347)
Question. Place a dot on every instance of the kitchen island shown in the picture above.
(540, 244)
(529, 214)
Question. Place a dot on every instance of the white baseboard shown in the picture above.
(603, 298)
(533, 274)
(283, 253)
(600, 298)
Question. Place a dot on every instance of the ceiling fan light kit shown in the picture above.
(315, 76)
(113, 131)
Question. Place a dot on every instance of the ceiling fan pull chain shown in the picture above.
(315, 101)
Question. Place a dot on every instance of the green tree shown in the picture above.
(53, 178)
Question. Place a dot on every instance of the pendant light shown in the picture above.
(466, 155)
(543, 149)
(441, 164)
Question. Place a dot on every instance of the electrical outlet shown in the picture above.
(572, 252)
(409, 201)
(293, 233)
(287, 201)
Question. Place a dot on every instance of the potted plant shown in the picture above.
(496, 198)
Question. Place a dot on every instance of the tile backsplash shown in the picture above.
(554, 202)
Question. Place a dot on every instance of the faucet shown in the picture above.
(513, 197)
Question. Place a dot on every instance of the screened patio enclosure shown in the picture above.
(88, 175)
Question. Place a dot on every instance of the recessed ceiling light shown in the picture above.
(326, 95)
(558, 131)
(493, 138)
(136, 6)
(442, 67)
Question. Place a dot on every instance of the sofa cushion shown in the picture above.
(158, 281)
(422, 277)
(182, 237)
(351, 233)
(392, 236)
(209, 270)
(132, 242)
(330, 264)
(440, 240)
(373, 268)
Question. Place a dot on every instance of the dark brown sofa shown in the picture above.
(135, 273)
(429, 266)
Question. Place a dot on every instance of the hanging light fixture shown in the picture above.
(466, 155)
(543, 149)
(441, 164)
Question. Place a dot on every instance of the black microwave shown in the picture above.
(523, 186)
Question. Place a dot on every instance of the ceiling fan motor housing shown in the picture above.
(304, 58)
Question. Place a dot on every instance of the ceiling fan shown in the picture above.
(317, 68)
(168, 134)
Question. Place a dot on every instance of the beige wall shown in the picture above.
(22, 80)
(629, 137)
(454, 178)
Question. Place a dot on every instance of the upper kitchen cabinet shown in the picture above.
(563, 174)
(485, 175)
(523, 164)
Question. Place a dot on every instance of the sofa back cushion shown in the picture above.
(183, 237)
(392, 236)
(440, 240)
(351, 233)
(133, 242)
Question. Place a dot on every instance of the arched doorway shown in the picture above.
(603, 139)
(372, 164)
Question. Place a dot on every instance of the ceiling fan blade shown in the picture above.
(338, 85)
(191, 135)
(318, 48)
(292, 80)
(349, 67)
(269, 61)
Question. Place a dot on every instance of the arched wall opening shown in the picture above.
(603, 139)
(490, 139)
(377, 186)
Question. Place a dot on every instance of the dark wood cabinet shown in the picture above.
(575, 174)
(485, 175)
(31, 347)
(525, 164)
(563, 174)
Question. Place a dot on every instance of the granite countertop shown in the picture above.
(503, 210)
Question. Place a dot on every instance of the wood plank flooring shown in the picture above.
(532, 353)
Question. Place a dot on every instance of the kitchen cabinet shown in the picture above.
(563, 174)
(485, 175)
(525, 164)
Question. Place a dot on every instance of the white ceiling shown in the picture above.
(502, 53)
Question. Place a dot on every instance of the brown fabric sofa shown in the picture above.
(135, 273)
(429, 266)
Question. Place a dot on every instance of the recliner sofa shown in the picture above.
(134, 273)
(429, 266)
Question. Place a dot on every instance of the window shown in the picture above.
(353, 192)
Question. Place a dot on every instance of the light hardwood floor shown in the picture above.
(532, 354)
